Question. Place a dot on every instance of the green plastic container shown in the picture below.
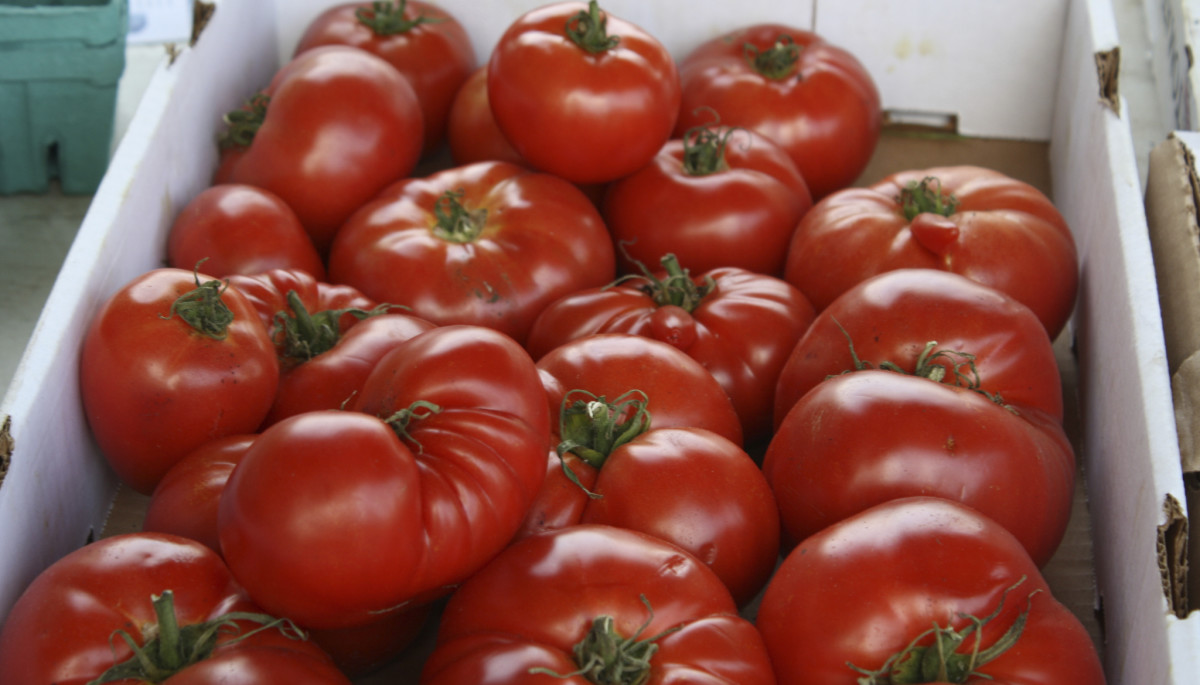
(60, 62)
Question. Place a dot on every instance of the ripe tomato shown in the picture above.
(972, 221)
(738, 324)
(716, 197)
(421, 40)
(813, 98)
(185, 501)
(240, 229)
(925, 586)
(171, 597)
(487, 244)
(276, 291)
(577, 606)
(471, 129)
(865, 437)
(681, 392)
(581, 93)
(929, 322)
(334, 127)
(169, 363)
(688, 486)
(425, 479)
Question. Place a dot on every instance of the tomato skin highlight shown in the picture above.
(589, 118)
(154, 388)
(860, 591)
(825, 110)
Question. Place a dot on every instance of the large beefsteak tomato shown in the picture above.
(980, 223)
(487, 244)
(582, 94)
(335, 517)
(920, 590)
(813, 98)
(595, 604)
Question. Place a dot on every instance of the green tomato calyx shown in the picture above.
(242, 124)
(456, 223)
(589, 30)
(203, 309)
(387, 18)
(926, 196)
(776, 62)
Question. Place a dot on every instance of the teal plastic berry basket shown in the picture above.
(60, 63)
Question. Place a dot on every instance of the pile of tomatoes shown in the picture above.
(588, 360)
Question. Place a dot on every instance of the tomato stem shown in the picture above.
(593, 428)
(203, 309)
(303, 335)
(604, 657)
(677, 288)
(926, 196)
(403, 419)
(704, 148)
(387, 18)
(455, 222)
(589, 30)
(930, 365)
(777, 61)
(173, 647)
(243, 123)
(941, 662)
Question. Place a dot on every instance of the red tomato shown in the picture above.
(422, 41)
(929, 322)
(681, 392)
(72, 623)
(866, 437)
(169, 363)
(185, 501)
(581, 93)
(471, 129)
(972, 221)
(334, 127)
(488, 244)
(873, 594)
(240, 229)
(739, 325)
(717, 197)
(811, 97)
(426, 479)
(688, 486)
(578, 605)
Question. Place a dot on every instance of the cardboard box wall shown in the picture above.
(1031, 87)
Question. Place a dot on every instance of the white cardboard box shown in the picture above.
(1018, 79)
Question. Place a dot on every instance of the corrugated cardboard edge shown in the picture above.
(1172, 209)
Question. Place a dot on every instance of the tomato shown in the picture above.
(471, 130)
(929, 322)
(168, 363)
(277, 291)
(488, 244)
(716, 197)
(421, 40)
(813, 98)
(579, 605)
(240, 229)
(688, 486)
(738, 324)
(869, 436)
(425, 478)
(334, 127)
(80, 617)
(969, 220)
(681, 392)
(873, 594)
(185, 501)
(582, 94)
